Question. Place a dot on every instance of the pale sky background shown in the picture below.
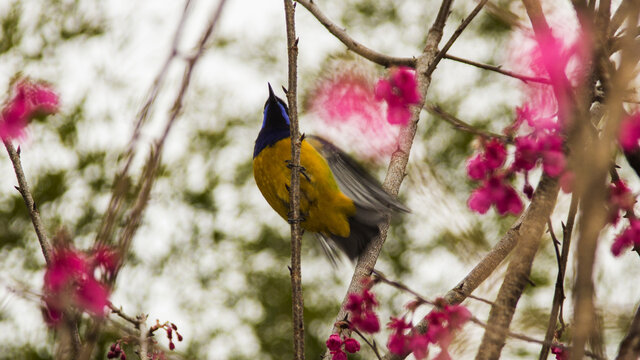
(130, 55)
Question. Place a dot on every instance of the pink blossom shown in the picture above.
(361, 308)
(69, 281)
(620, 198)
(399, 91)
(29, 100)
(106, 258)
(494, 191)
(443, 322)
(560, 353)
(477, 167)
(398, 340)
(351, 345)
(630, 132)
(419, 346)
(526, 153)
(334, 342)
(338, 355)
(629, 237)
(351, 115)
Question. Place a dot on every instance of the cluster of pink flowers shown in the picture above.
(399, 91)
(560, 353)
(115, 351)
(30, 99)
(495, 190)
(70, 281)
(538, 118)
(361, 307)
(443, 322)
(621, 199)
(335, 344)
(351, 102)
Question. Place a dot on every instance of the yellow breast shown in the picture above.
(323, 206)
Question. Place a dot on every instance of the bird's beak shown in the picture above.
(272, 96)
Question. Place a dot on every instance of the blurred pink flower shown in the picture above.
(350, 112)
(629, 237)
(398, 341)
(351, 345)
(630, 132)
(399, 91)
(620, 199)
(495, 191)
(560, 353)
(69, 281)
(361, 308)
(30, 99)
(334, 342)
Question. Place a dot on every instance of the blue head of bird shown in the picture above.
(275, 123)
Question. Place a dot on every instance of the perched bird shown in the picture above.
(339, 200)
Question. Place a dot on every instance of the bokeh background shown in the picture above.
(211, 255)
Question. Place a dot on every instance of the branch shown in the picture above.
(353, 45)
(498, 69)
(455, 36)
(120, 183)
(297, 306)
(519, 268)
(558, 295)
(23, 188)
(436, 110)
(630, 345)
(399, 158)
(148, 176)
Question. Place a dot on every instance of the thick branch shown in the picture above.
(353, 45)
(23, 188)
(294, 201)
(400, 157)
(519, 268)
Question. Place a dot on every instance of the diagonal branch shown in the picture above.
(498, 69)
(436, 110)
(353, 45)
(400, 157)
(120, 182)
(519, 268)
(455, 36)
(23, 188)
(630, 345)
(297, 306)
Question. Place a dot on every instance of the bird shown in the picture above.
(340, 202)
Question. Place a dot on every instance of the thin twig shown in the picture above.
(353, 45)
(498, 69)
(122, 314)
(526, 338)
(381, 277)
(436, 110)
(297, 306)
(371, 345)
(120, 182)
(149, 174)
(558, 295)
(455, 36)
(23, 188)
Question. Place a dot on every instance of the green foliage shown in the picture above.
(10, 32)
